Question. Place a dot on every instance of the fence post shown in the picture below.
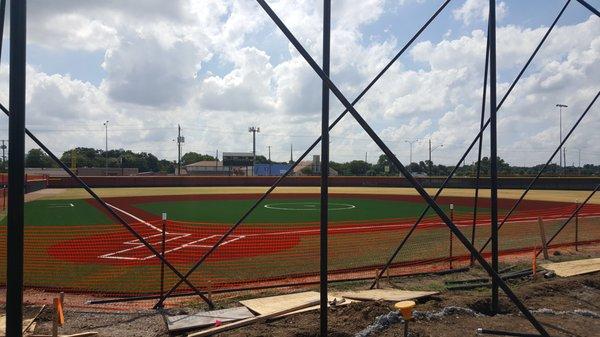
(162, 252)
(543, 238)
(576, 225)
(451, 235)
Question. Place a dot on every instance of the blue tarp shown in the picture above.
(275, 169)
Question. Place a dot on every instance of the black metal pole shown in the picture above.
(162, 253)
(588, 6)
(576, 226)
(480, 146)
(2, 20)
(15, 236)
(310, 148)
(539, 174)
(470, 147)
(394, 160)
(493, 153)
(325, 165)
(450, 255)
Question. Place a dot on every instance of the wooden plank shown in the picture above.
(268, 305)
(391, 295)
(572, 268)
(81, 334)
(206, 318)
(257, 319)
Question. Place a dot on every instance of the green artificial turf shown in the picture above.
(62, 213)
(305, 210)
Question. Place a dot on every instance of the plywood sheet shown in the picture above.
(392, 295)
(206, 318)
(572, 268)
(268, 305)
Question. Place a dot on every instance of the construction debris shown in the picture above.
(253, 320)
(203, 319)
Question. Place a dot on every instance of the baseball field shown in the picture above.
(73, 243)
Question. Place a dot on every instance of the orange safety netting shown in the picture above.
(106, 259)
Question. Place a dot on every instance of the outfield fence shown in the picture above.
(107, 260)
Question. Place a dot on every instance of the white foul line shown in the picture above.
(136, 218)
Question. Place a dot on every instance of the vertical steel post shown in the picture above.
(16, 178)
(451, 235)
(162, 253)
(480, 148)
(577, 225)
(493, 153)
(325, 165)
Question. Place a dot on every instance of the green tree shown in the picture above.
(194, 157)
(359, 167)
(37, 158)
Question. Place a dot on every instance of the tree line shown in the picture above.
(147, 162)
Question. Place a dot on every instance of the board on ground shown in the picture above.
(206, 318)
(269, 305)
(391, 295)
(572, 268)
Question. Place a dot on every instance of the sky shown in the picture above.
(217, 67)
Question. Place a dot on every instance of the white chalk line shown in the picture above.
(349, 229)
(136, 218)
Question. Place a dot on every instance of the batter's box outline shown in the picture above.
(197, 243)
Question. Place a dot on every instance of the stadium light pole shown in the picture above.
(411, 142)
(253, 130)
(431, 150)
(560, 152)
(269, 159)
(105, 148)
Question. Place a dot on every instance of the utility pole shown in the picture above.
(254, 130)
(431, 150)
(269, 159)
(3, 147)
(366, 157)
(180, 140)
(106, 148)
(291, 153)
(560, 152)
(411, 142)
(217, 160)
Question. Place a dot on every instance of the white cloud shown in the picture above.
(473, 10)
(157, 57)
